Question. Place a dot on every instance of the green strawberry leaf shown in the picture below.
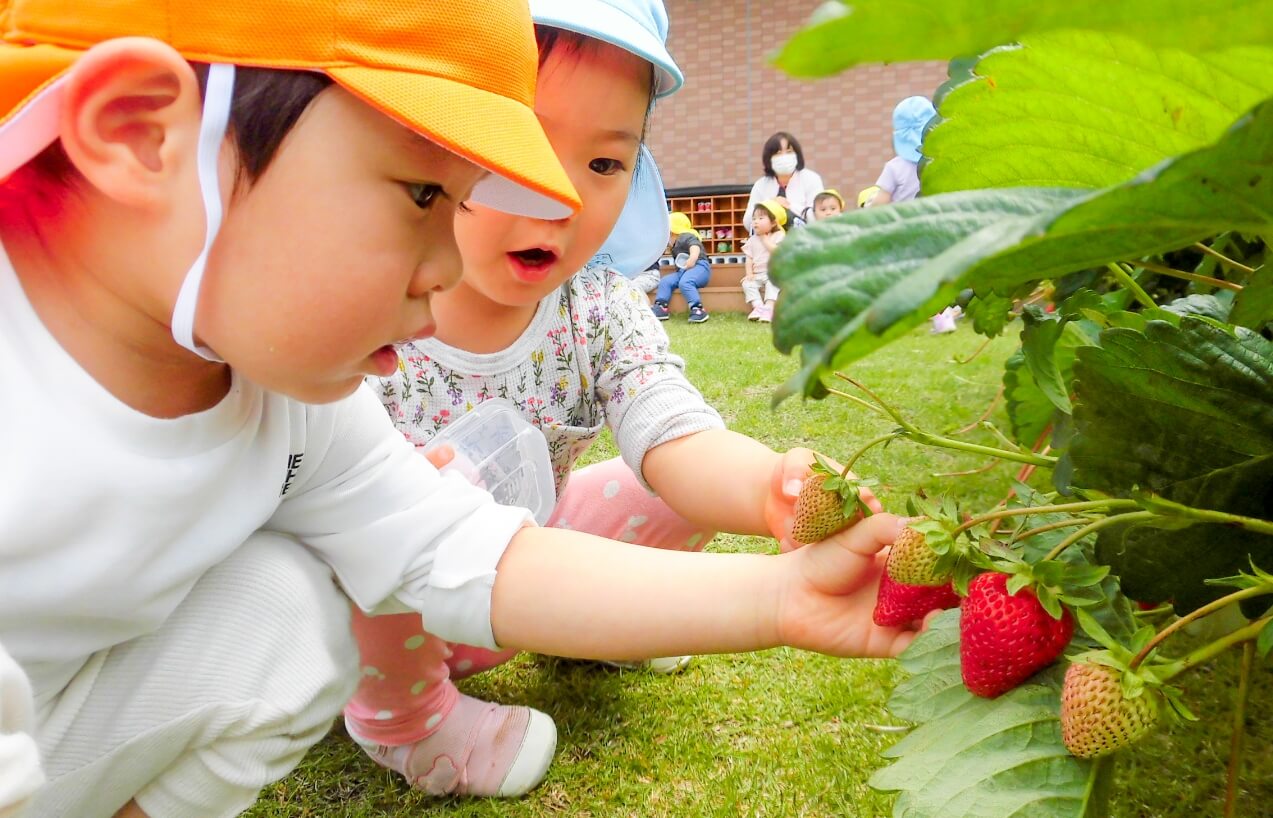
(1264, 642)
(1092, 628)
(861, 280)
(972, 757)
(1212, 393)
(1086, 109)
(1048, 599)
(841, 34)
(1029, 410)
(989, 313)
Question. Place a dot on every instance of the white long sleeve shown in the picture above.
(109, 516)
(20, 774)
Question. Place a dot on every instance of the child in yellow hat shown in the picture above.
(768, 220)
(692, 269)
(827, 205)
(215, 221)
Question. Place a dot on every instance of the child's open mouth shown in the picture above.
(533, 264)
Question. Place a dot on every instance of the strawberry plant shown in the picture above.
(1101, 173)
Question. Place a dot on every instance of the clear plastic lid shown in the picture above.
(498, 450)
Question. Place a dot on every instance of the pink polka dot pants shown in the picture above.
(408, 676)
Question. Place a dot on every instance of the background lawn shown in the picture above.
(782, 733)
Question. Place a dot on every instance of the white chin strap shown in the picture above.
(216, 117)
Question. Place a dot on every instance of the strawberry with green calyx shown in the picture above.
(1013, 623)
(1107, 703)
(828, 502)
(926, 553)
(899, 605)
(1098, 714)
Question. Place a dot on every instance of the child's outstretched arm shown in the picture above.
(571, 594)
(728, 482)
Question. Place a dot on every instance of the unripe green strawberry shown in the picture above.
(1006, 638)
(819, 513)
(912, 562)
(1096, 717)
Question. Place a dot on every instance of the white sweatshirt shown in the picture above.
(108, 517)
(20, 774)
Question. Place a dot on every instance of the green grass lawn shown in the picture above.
(782, 732)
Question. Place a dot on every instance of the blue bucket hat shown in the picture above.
(909, 118)
(639, 27)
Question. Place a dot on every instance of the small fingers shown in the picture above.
(440, 455)
(872, 535)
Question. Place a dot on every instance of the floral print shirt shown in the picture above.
(593, 356)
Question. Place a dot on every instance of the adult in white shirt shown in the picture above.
(786, 178)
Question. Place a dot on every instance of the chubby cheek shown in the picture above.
(302, 310)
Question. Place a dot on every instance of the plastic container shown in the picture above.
(498, 450)
(682, 259)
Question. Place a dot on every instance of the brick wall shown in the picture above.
(712, 130)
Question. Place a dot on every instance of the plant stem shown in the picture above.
(893, 413)
(920, 436)
(1210, 649)
(1198, 277)
(1222, 258)
(1003, 454)
(1097, 525)
(1171, 508)
(1096, 793)
(1239, 729)
(1209, 608)
(1130, 283)
(875, 441)
(994, 430)
(1086, 505)
(966, 473)
(1066, 523)
(978, 351)
(877, 410)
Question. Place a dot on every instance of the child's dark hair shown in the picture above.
(774, 144)
(551, 39)
(266, 105)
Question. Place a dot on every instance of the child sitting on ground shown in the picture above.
(768, 220)
(693, 269)
(827, 204)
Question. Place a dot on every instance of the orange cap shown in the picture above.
(461, 74)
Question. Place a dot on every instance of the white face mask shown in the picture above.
(784, 163)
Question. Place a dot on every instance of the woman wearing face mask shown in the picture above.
(786, 178)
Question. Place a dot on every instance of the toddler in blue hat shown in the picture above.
(899, 181)
(541, 318)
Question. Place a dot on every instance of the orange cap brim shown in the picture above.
(490, 130)
(28, 100)
(494, 132)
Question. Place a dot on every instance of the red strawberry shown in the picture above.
(898, 604)
(1005, 638)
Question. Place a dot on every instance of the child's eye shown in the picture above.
(423, 193)
(605, 167)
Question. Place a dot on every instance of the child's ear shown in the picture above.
(130, 119)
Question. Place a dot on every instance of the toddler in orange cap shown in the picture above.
(215, 221)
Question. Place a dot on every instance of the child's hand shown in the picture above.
(831, 589)
(439, 455)
(784, 487)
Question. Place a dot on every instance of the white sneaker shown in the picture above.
(663, 666)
